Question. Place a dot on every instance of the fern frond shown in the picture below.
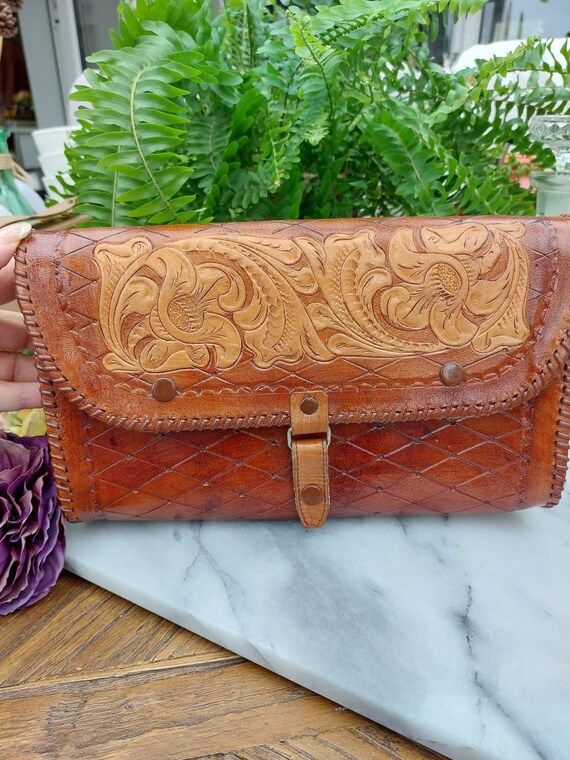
(149, 154)
(416, 172)
(350, 16)
(194, 17)
(321, 61)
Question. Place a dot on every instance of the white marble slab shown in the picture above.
(453, 632)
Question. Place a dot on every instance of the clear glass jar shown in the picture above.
(553, 193)
(553, 187)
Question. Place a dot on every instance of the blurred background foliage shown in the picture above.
(25, 422)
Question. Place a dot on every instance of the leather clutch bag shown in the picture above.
(312, 368)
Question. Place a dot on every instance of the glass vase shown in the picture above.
(553, 187)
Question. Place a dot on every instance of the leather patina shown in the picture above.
(174, 360)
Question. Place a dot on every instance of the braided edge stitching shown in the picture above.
(536, 385)
(48, 396)
(562, 442)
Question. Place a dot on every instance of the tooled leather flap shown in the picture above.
(394, 319)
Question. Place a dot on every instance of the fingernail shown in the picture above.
(14, 232)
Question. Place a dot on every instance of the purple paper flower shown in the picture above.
(32, 536)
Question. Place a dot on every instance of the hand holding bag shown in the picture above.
(312, 368)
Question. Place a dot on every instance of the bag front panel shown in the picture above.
(475, 465)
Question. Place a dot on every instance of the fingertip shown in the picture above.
(9, 238)
(13, 233)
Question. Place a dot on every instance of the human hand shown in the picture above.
(19, 388)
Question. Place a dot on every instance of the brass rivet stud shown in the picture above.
(164, 389)
(311, 495)
(452, 374)
(309, 405)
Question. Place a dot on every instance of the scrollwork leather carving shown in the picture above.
(202, 301)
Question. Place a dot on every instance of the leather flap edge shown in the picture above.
(237, 317)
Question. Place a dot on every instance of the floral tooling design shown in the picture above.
(452, 282)
(203, 301)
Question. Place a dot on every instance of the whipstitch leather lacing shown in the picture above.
(562, 442)
(168, 425)
(57, 454)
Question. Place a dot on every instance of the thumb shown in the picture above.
(10, 236)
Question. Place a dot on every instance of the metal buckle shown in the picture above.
(290, 437)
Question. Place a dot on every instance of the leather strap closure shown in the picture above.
(308, 439)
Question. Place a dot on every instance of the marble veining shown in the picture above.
(454, 632)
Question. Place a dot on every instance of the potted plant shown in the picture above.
(325, 111)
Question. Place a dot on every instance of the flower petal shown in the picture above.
(407, 306)
(32, 536)
(450, 326)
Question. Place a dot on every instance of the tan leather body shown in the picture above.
(175, 360)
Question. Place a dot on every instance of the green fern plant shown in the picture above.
(335, 110)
